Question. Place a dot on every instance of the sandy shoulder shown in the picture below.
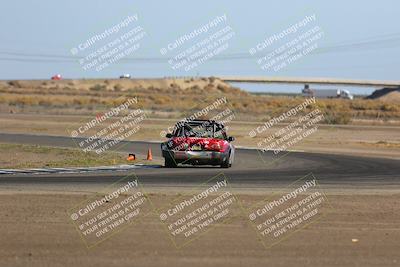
(37, 231)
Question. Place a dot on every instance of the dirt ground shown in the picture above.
(360, 229)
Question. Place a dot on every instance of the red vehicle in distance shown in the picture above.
(56, 77)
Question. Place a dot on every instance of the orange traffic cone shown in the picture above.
(149, 154)
(131, 157)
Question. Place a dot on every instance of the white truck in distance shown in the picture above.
(326, 93)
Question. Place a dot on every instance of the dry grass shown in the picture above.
(175, 96)
(34, 156)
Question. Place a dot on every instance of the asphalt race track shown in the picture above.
(251, 168)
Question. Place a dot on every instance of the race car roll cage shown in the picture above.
(187, 129)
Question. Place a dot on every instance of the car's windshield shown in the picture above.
(201, 130)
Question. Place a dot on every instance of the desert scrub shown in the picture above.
(118, 88)
(335, 117)
(98, 87)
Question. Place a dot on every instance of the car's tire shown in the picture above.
(227, 162)
(169, 163)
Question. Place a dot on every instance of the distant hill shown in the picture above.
(163, 84)
(386, 95)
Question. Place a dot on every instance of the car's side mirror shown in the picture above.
(168, 135)
(231, 138)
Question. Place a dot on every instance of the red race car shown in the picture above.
(198, 142)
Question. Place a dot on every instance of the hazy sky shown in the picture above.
(363, 36)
